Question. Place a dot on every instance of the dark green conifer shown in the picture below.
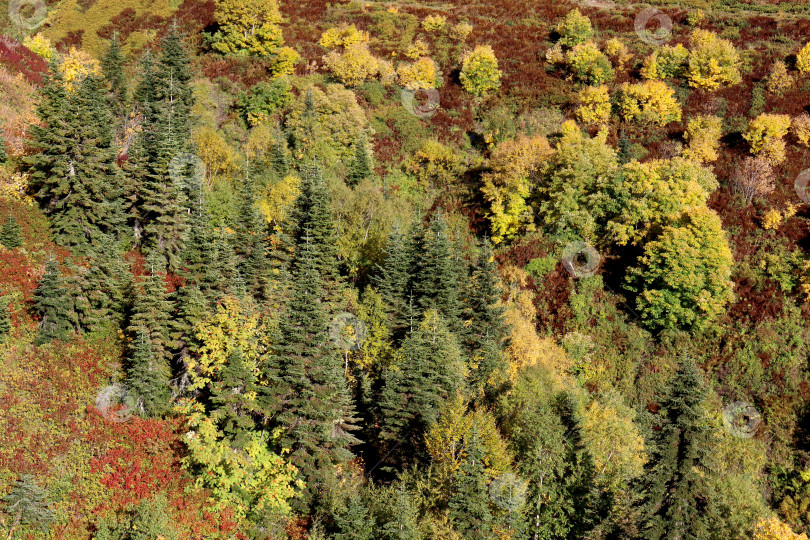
(112, 67)
(27, 504)
(233, 405)
(280, 154)
(11, 233)
(73, 174)
(676, 498)
(361, 167)
(52, 303)
(3, 154)
(5, 321)
(316, 413)
(470, 502)
(152, 309)
(148, 377)
(393, 281)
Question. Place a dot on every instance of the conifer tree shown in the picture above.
(191, 309)
(676, 501)
(73, 174)
(315, 228)
(280, 154)
(173, 88)
(11, 233)
(3, 154)
(234, 399)
(355, 521)
(5, 321)
(251, 242)
(316, 413)
(52, 303)
(393, 280)
(361, 167)
(469, 503)
(148, 377)
(199, 257)
(28, 504)
(107, 282)
(413, 391)
(402, 521)
(152, 309)
(112, 67)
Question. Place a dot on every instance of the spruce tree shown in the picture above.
(152, 309)
(11, 233)
(173, 88)
(354, 521)
(361, 167)
(52, 304)
(413, 391)
(251, 242)
(107, 282)
(27, 503)
(469, 504)
(402, 521)
(393, 280)
(280, 154)
(112, 67)
(148, 377)
(676, 501)
(5, 321)
(192, 308)
(233, 397)
(316, 413)
(3, 154)
(74, 175)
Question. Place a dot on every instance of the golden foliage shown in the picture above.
(354, 65)
(40, 45)
(479, 71)
(713, 61)
(649, 102)
(803, 60)
(772, 219)
(766, 134)
(703, 135)
(76, 65)
(800, 125)
(432, 23)
(779, 79)
(618, 52)
(214, 151)
(773, 529)
(278, 199)
(461, 31)
(507, 186)
(417, 49)
(594, 105)
(419, 74)
(343, 36)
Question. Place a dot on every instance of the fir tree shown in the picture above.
(173, 88)
(251, 242)
(469, 503)
(112, 67)
(234, 399)
(3, 154)
(316, 412)
(148, 377)
(413, 390)
(28, 504)
(152, 309)
(73, 174)
(402, 521)
(200, 255)
(104, 283)
(52, 303)
(5, 321)
(191, 309)
(280, 154)
(354, 522)
(11, 233)
(624, 148)
(676, 502)
(393, 283)
(361, 167)
(315, 229)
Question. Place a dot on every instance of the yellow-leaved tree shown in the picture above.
(419, 74)
(713, 61)
(773, 529)
(252, 28)
(651, 102)
(507, 186)
(353, 65)
(703, 134)
(594, 105)
(75, 66)
(343, 36)
(479, 71)
(803, 60)
(800, 125)
(766, 135)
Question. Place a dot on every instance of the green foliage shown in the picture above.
(588, 64)
(683, 280)
(27, 504)
(5, 321)
(52, 304)
(574, 29)
(263, 100)
(479, 71)
(146, 521)
(361, 166)
(11, 233)
(248, 27)
(148, 377)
